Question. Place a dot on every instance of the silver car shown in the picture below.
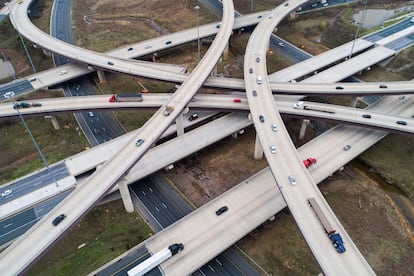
(292, 180)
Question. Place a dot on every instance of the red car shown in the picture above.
(309, 162)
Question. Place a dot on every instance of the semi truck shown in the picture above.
(335, 238)
(126, 98)
(156, 259)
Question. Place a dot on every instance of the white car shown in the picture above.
(6, 192)
(412, 19)
(9, 94)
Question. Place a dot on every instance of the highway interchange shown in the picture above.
(253, 60)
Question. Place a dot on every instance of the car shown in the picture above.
(347, 147)
(404, 123)
(139, 142)
(6, 192)
(251, 70)
(367, 116)
(274, 127)
(402, 97)
(273, 149)
(168, 42)
(259, 80)
(31, 79)
(281, 44)
(91, 114)
(292, 180)
(339, 88)
(237, 100)
(261, 118)
(130, 49)
(147, 46)
(221, 210)
(63, 72)
(110, 63)
(314, 5)
(218, 26)
(383, 86)
(193, 117)
(58, 219)
(258, 59)
(286, 4)
(412, 19)
(254, 93)
(9, 94)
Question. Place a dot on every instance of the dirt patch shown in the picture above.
(215, 169)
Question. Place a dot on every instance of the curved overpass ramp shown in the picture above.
(284, 160)
(23, 252)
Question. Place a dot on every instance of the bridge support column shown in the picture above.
(47, 53)
(154, 57)
(258, 149)
(179, 122)
(101, 76)
(354, 102)
(303, 127)
(214, 71)
(226, 52)
(126, 196)
(54, 121)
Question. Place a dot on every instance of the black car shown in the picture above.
(261, 118)
(367, 116)
(58, 219)
(193, 117)
(339, 88)
(221, 210)
(404, 123)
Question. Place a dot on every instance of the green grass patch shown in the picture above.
(107, 231)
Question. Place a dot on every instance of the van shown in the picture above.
(259, 80)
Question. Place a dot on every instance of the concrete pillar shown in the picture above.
(303, 127)
(258, 149)
(47, 53)
(55, 122)
(234, 135)
(214, 71)
(179, 123)
(101, 76)
(154, 57)
(292, 15)
(354, 102)
(126, 196)
(226, 52)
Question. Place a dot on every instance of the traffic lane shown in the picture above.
(389, 30)
(18, 224)
(164, 214)
(18, 87)
(401, 43)
(219, 266)
(34, 182)
(43, 208)
(289, 51)
(15, 226)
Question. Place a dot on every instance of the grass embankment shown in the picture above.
(107, 231)
(18, 154)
